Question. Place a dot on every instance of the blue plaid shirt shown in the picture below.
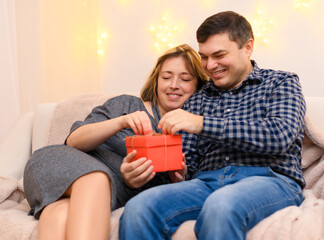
(259, 123)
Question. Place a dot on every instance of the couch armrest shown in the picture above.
(15, 149)
(315, 112)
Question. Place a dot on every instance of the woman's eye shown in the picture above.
(166, 78)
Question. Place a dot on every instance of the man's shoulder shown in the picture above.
(196, 96)
(273, 74)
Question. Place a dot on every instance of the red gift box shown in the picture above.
(165, 151)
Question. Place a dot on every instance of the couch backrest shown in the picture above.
(53, 121)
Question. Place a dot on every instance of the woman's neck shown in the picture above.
(148, 106)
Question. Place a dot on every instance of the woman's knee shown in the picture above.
(98, 177)
(94, 180)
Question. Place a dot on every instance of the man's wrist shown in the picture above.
(200, 124)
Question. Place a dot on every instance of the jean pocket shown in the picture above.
(291, 183)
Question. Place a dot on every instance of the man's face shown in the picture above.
(224, 62)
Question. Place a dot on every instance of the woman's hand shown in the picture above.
(179, 119)
(136, 172)
(139, 122)
(179, 175)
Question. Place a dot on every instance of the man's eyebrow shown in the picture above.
(214, 53)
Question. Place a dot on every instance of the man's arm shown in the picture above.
(189, 125)
(274, 134)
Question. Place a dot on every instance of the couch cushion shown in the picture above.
(68, 111)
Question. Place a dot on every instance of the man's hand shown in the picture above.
(136, 173)
(179, 175)
(179, 119)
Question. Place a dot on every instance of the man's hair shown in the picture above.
(192, 62)
(237, 27)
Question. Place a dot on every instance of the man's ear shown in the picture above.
(248, 46)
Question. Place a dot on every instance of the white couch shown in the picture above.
(50, 124)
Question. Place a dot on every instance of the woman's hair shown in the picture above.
(238, 28)
(192, 62)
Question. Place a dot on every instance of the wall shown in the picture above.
(295, 37)
(9, 86)
(69, 47)
(58, 41)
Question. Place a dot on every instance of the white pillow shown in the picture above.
(15, 149)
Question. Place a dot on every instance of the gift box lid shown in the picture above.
(153, 140)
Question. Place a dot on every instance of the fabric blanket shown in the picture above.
(304, 222)
(14, 221)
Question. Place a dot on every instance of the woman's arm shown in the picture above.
(89, 136)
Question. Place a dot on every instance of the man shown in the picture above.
(242, 139)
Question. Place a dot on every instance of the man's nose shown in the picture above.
(211, 64)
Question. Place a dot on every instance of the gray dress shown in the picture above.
(52, 169)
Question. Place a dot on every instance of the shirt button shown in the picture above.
(227, 158)
(228, 110)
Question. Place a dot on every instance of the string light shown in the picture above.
(302, 4)
(163, 34)
(261, 26)
(102, 36)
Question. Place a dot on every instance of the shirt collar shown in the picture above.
(255, 77)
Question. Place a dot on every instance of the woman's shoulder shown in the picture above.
(124, 98)
(124, 101)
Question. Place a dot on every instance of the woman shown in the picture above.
(73, 188)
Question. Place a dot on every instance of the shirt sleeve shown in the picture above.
(189, 148)
(275, 133)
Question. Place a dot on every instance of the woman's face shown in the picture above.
(175, 84)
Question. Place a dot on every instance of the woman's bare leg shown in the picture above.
(84, 214)
(89, 208)
(53, 219)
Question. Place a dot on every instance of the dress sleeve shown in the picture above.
(112, 108)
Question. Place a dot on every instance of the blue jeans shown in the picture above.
(226, 204)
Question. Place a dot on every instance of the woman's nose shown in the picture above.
(174, 82)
